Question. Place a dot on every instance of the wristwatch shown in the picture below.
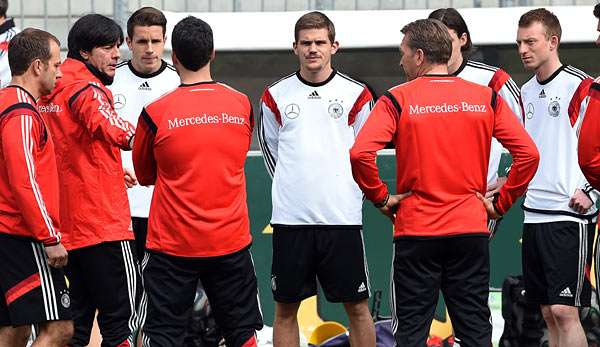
(383, 202)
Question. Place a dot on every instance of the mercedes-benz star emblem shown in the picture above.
(120, 101)
(530, 110)
(292, 111)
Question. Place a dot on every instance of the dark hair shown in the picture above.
(597, 10)
(315, 20)
(192, 42)
(146, 17)
(432, 37)
(27, 46)
(3, 7)
(547, 18)
(91, 31)
(453, 20)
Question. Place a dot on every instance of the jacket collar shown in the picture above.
(7, 25)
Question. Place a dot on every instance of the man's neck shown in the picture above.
(192, 77)
(544, 71)
(455, 65)
(316, 76)
(434, 69)
(29, 84)
(138, 68)
(2, 20)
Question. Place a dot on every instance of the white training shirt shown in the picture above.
(554, 109)
(503, 85)
(7, 32)
(131, 92)
(306, 131)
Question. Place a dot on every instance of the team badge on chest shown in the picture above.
(335, 109)
(554, 107)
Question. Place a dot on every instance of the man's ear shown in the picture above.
(37, 67)
(334, 47)
(419, 57)
(174, 58)
(554, 42)
(85, 55)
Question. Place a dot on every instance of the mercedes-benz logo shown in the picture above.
(292, 111)
(530, 111)
(120, 101)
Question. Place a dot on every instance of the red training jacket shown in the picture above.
(88, 135)
(442, 129)
(192, 145)
(589, 138)
(29, 180)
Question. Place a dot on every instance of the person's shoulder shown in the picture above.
(350, 80)
(575, 73)
(122, 74)
(156, 108)
(351, 85)
(484, 73)
(238, 95)
(170, 68)
(122, 64)
(290, 78)
(15, 101)
(531, 83)
(166, 71)
(482, 66)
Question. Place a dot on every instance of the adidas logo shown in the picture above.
(542, 94)
(566, 293)
(362, 287)
(144, 86)
(314, 95)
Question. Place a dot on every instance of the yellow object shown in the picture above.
(441, 329)
(268, 229)
(308, 317)
(325, 331)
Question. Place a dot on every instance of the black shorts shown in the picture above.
(333, 255)
(170, 286)
(459, 267)
(31, 290)
(105, 278)
(557, 259)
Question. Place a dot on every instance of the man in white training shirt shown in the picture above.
(7, 32)
(558, 229)
(480, 73)
(138, 82)
(308, 124)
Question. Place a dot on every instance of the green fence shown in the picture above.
(505, 248)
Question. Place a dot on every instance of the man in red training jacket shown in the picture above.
(94, 211)
(191, 144)
(589, 135)
(33, 289)
(442, 127)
